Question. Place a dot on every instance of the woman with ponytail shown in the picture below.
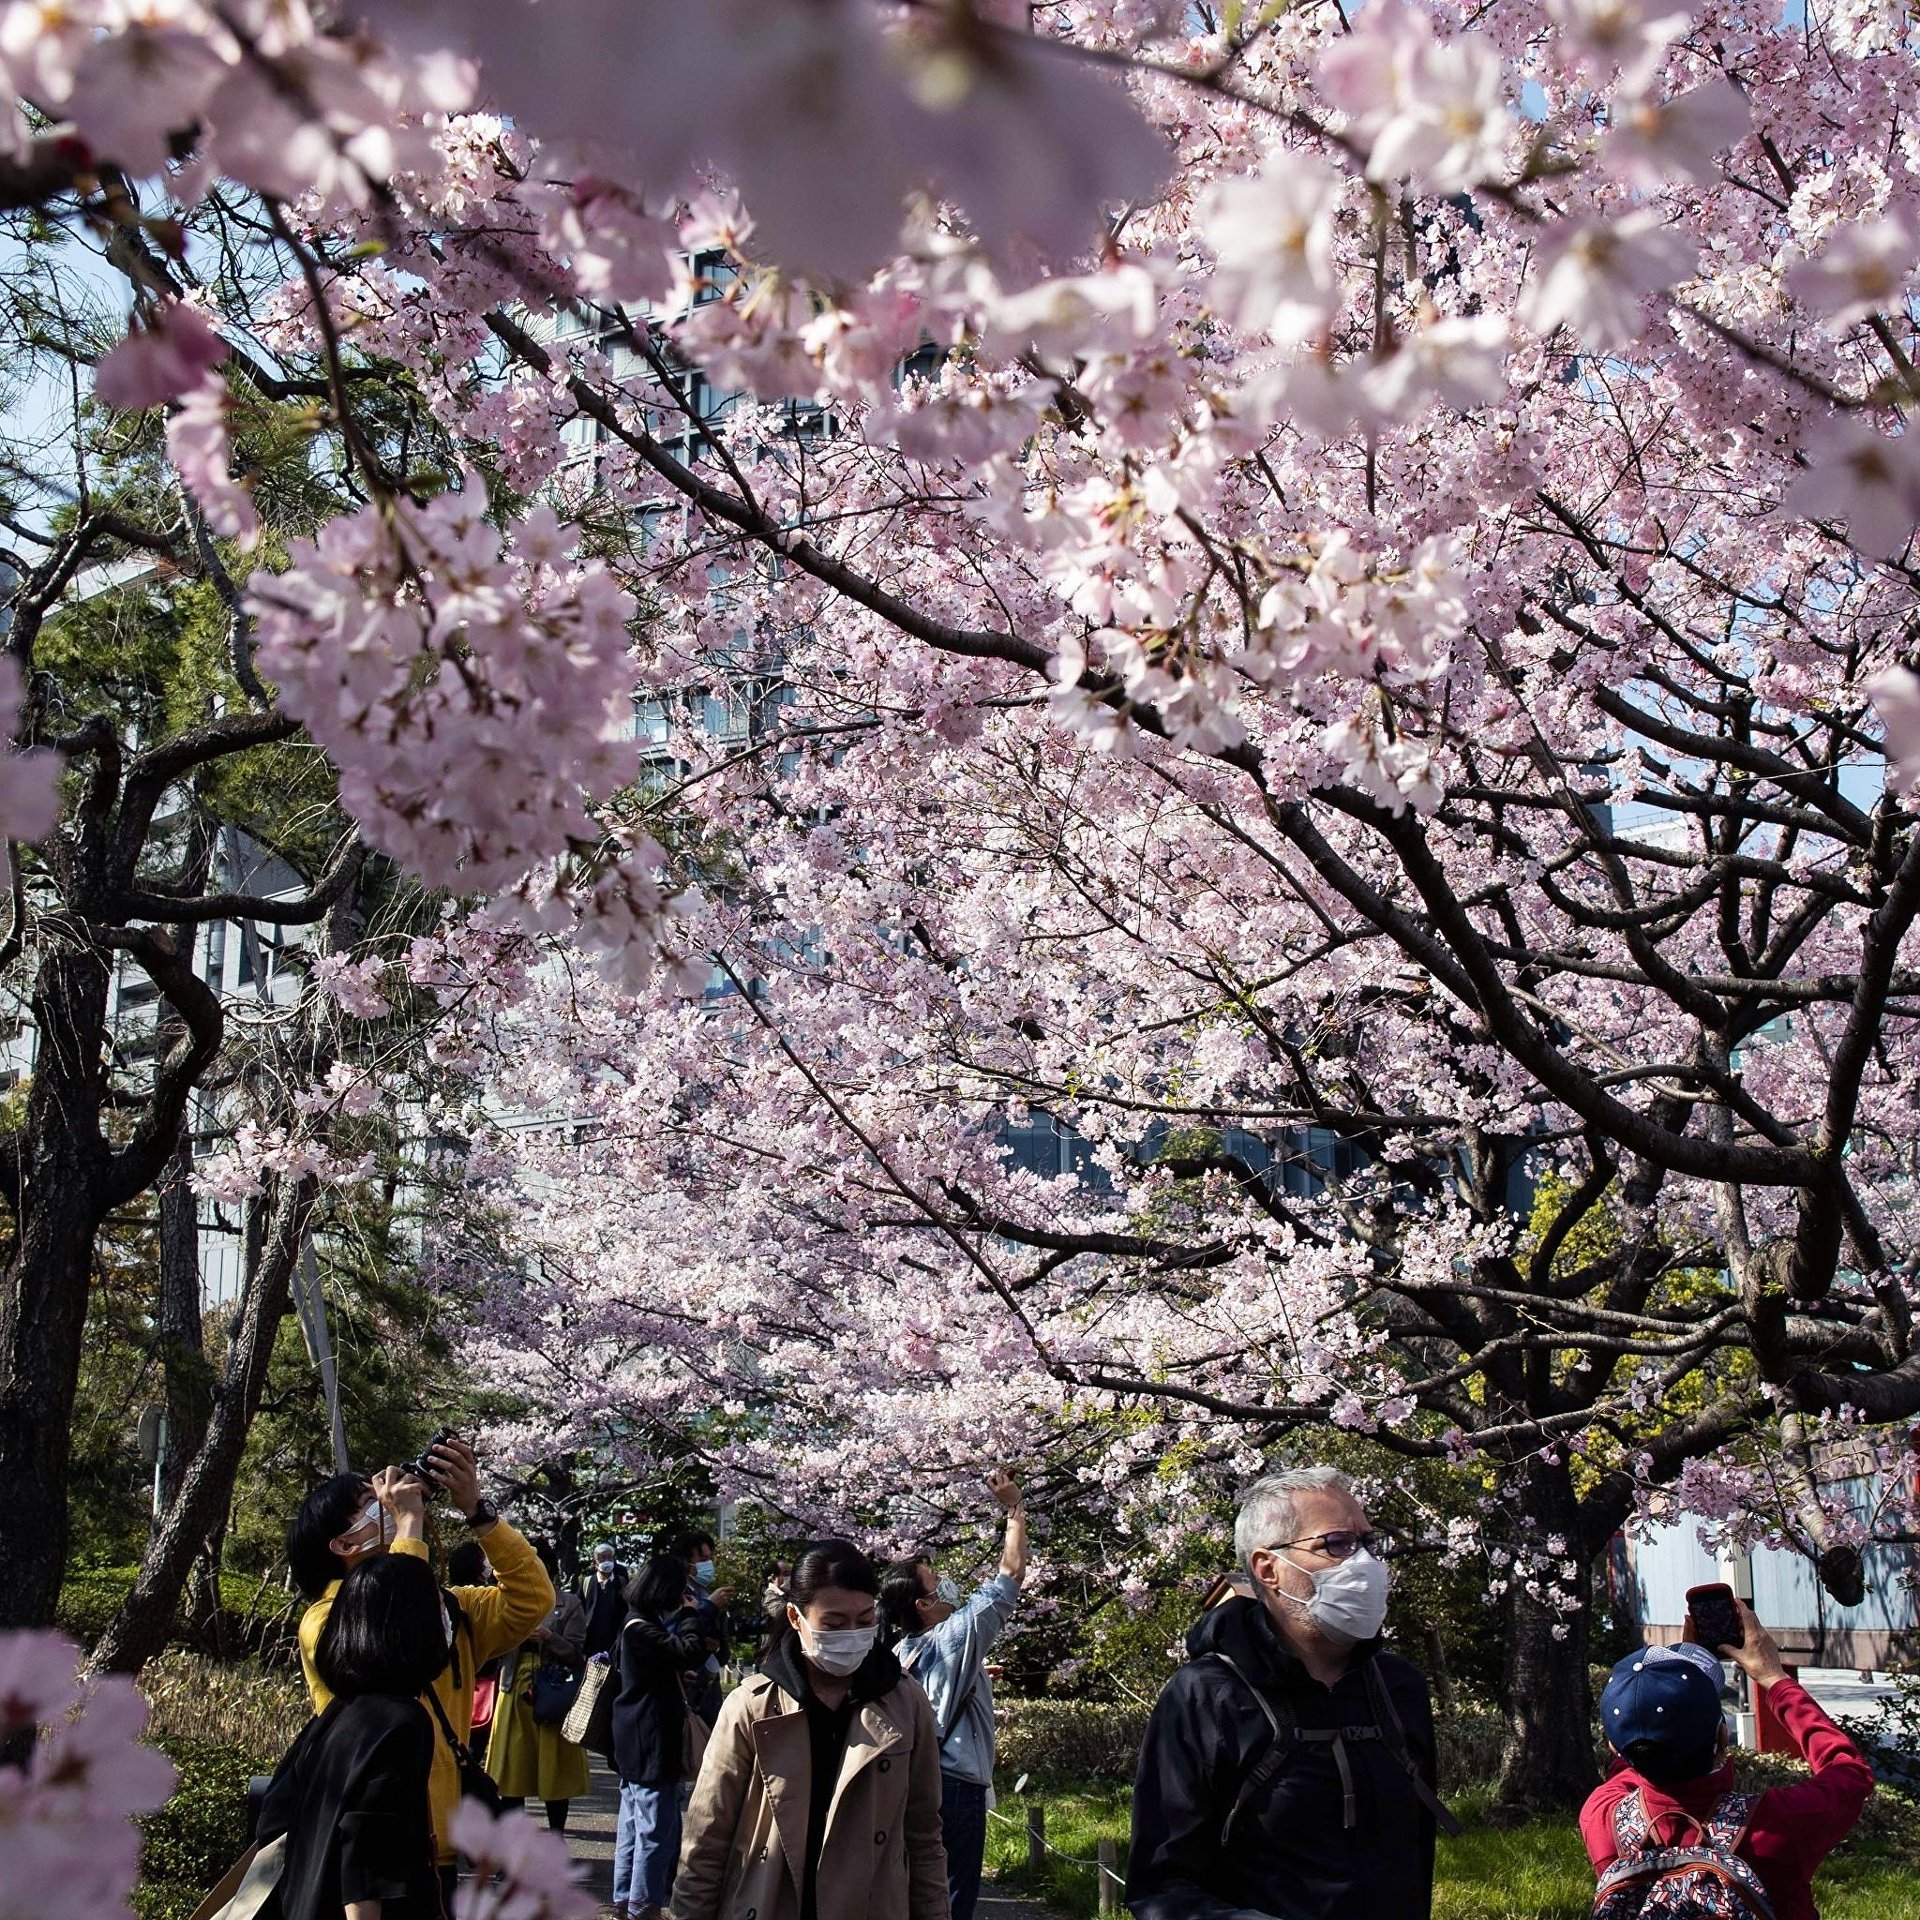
(819, 1798)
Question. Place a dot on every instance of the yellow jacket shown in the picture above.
(494, 1620)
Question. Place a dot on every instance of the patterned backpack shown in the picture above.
(1706, 1881)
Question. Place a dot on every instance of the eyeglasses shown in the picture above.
(1340, 1544)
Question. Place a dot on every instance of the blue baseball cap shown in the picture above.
(1662, 1713)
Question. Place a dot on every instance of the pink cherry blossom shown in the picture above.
(68, 1844)
(473, 693)
(1895, 693)
(202, 453)
(1273, 238)
(1863, 268)
(29, 797)
(1595, 277)
(1866, 480)
(163, 357)
(520, 1871)
(1653, 141)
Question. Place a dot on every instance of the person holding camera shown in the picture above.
(1672, 1785)
(349, 1519)
(351, 1795)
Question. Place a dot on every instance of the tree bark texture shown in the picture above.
(1547, 1763)
(43, 1293)
(183, 1356)
(140, 1629)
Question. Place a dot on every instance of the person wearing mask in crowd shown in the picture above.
(603, 1591)
(348, 1519)
(531, 1759)
(943, 1642)
(773, 1606)
(1672, 1782)
(1288, 1766)
(820, 1795)
(698, 1549)
(660, 1643)
(351, 1796)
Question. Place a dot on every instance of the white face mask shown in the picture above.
(369, 1528)
(1349, 1601)
(948, 1590)
(836, 1650)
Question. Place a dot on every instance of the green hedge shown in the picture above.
(1089, 1740)
(256, 1615)
(189, 1843)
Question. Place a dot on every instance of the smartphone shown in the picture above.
(1715, 1620)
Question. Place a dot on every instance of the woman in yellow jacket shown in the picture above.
(347, 1519)
(819, 1798)
(530, 1760)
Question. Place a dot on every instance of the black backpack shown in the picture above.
(1287, 1733)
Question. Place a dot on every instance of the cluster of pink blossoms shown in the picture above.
(474, 690)
(520, 1871)
(68, 1845)
(29, 802)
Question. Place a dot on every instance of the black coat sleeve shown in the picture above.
(1183, 1788)
(385, 1835)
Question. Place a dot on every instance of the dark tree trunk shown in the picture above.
(43, 1292)
(1547, 1764)
(183, 1353)
(139, 1630)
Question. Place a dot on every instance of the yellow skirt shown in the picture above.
(528, 1761)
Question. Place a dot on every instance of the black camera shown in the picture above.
(421, 1467)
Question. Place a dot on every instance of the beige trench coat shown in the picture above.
(744, 1853)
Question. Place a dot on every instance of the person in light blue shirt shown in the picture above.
(944, 1644)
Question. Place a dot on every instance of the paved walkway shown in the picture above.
(590, 1824)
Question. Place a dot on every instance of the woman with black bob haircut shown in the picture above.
(851, 1744)
(660, 1641)
(351, 1795)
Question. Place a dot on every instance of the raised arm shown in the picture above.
(506, 1614)
(1015, 1556)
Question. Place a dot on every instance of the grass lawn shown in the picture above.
(1535, 1872)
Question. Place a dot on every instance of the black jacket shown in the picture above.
(1291, 1854)
(351, 1797)
(650, 1710)
(606, 1607)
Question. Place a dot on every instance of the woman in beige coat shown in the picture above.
(819, 1798)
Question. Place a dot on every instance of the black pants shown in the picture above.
(963, 1829)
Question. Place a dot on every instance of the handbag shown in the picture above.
(250, 1887)
(589, 1721)
(556, 1685)
(485, 1691)
(476, 1783)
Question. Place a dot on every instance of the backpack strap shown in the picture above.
(1726, 1826)
(1386, 1716)
(1280, 1720)
(1632, 1830)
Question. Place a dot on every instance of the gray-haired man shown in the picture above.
(1288, 1767)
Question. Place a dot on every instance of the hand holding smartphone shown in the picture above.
(1716, 1620)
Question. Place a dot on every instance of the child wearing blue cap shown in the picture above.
(1672, 1788)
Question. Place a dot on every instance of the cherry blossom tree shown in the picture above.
(1330, 578)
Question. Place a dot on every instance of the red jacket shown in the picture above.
(1793, 1828)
